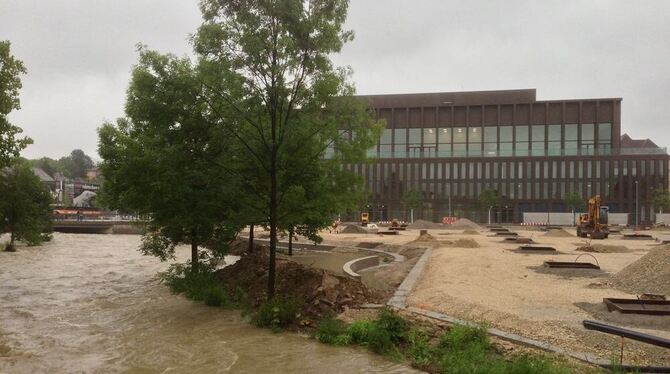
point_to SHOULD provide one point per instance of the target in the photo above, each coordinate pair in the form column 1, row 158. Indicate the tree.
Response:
column 412, row 199
column 488, row 198
column 660, row 198
column 573, row 201
column 269, row 64
column 11, row 143
column 50, row 166
column 25, row 207
column 159, row 161
column 76, row 164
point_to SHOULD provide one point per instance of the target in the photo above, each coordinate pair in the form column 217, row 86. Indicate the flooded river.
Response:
column 91, row 303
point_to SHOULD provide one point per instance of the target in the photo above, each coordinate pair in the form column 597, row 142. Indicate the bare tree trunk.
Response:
column 251, row 238
column 290, row 242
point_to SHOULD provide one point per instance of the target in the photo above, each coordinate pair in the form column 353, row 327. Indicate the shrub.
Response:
column 216, row 296
column 332, row 331
column 379, row 340
column 392, row 323
column 276, row 312
column 462, row 337
column 419, row 349
column 359, row 331
column 200, row 285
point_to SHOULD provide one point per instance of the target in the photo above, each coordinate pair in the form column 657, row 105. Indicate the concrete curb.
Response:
column 399, row 298
column 399, row 301
column 350, row 268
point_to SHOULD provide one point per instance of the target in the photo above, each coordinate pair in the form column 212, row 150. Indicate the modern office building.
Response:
column 451, row 146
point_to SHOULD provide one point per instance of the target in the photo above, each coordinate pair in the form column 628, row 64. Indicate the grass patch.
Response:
column 463, row 349
column 276, row 313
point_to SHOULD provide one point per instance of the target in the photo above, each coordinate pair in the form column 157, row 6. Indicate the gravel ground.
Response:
column 502, row 288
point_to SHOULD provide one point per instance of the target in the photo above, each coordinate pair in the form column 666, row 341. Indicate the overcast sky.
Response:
column 79, row 54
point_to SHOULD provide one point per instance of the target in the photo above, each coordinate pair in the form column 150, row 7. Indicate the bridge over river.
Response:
column 97, row 226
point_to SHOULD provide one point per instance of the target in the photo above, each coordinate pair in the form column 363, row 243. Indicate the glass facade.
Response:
column 531, row 157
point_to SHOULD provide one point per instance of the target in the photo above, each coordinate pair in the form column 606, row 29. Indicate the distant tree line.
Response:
column 72, row 166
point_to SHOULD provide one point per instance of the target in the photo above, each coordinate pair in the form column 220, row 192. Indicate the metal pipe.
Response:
column 630, row 334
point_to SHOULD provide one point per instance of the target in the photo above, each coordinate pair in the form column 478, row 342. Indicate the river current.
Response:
column 92, row 304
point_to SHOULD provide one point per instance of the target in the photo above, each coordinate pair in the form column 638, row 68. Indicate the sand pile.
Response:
column 423, row 225
column 603, row 248
column 465, row 243
column 354, row 229
column 649, row 274
column 464, row 223
column 425, row 238
column 558, row 234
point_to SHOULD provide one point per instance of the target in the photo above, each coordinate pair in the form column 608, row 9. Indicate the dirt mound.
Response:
column 603, row 248
column 558, row 234
column 470, row 232
column 423, row 225
column 354, row 229
column 465, row 243
column 649, row 274
column 321, row 293
column 463, row 223
column 425, row 237
column 239, row 246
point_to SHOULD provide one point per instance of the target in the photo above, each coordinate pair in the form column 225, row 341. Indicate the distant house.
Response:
column 45, row 178
column 92, row 174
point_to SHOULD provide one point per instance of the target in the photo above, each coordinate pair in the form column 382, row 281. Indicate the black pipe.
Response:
column 630, row 334
column 637, row 369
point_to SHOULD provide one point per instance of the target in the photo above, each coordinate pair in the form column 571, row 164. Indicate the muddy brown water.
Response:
column 92, row 304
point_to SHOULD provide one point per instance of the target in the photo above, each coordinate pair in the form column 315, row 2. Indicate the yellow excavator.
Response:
column 365, row 218
column 594, row 222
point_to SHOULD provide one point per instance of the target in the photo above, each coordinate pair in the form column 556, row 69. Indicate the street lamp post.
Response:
column 637, row 205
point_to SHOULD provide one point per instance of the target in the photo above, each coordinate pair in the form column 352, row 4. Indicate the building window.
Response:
column 429, row 137
column 554, row 140
column 460, row 141
column 521, row 140
column 490, row 140
column 400, row 141
column 604, row 138
column 537, row 147
column 570, row 140
column 474, row 140
column 386, row 144
column 588, row 139
column 444, row 142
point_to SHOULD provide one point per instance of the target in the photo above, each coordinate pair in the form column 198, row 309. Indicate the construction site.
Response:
column 537, row 286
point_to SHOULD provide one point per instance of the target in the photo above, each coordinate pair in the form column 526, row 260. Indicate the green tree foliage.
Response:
column 574, row 201
column 268, row 75
column 163, row 160
column 412, row 199
column 488, row 198
column 49, row 165
column 76, row 164
column 25, row 206
column 660, row 198
column 11, row 143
